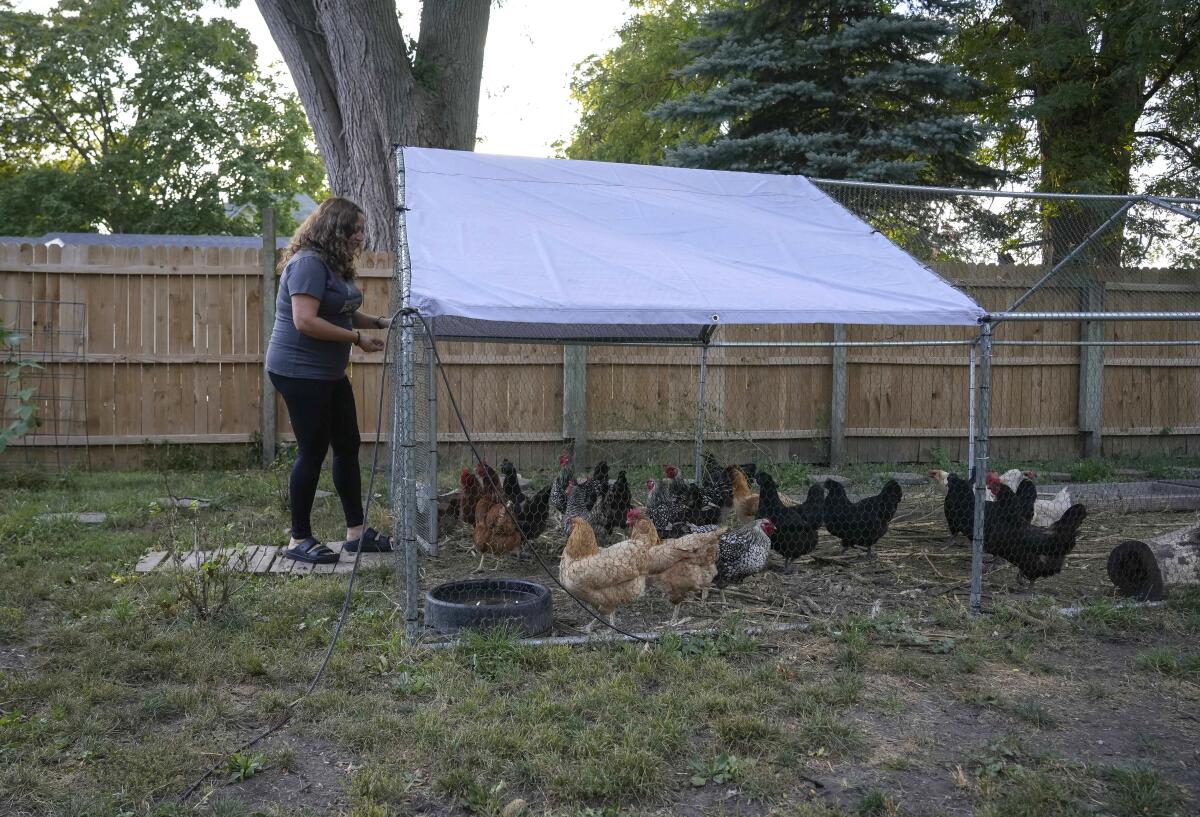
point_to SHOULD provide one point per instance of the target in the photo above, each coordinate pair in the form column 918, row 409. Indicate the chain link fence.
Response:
column 897, row 466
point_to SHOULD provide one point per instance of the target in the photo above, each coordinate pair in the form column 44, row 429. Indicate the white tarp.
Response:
column 505, row 246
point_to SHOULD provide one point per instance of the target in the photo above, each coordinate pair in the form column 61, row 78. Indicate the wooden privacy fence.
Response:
column 174, row 350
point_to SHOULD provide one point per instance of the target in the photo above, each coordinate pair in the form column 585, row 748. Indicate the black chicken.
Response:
column 510, row 483
column 860, row 524
column 795, row 534
column 959, row 506
column 600, row 477
column 1040, row 552
column 615, row 504
column 532, row 515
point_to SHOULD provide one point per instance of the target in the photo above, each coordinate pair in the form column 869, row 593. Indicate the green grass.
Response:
column 126, row 691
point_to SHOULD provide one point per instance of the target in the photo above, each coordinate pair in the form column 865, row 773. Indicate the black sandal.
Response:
column 370, row 542
column 312, row 552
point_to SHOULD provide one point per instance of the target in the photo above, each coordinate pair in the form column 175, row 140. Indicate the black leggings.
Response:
column 322, row 413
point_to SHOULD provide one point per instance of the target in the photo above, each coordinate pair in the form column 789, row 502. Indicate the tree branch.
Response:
column 1192, row 152
column 1185, row 50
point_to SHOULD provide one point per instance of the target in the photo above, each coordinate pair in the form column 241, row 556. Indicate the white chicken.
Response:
column 1045, row 511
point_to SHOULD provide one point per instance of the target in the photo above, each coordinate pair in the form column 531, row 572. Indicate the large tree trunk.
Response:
column 1085, row 146
column 364, row 92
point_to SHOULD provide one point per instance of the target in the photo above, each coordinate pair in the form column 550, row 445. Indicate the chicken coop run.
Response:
column 763, row 336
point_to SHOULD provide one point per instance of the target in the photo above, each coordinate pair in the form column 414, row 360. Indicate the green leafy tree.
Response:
column 1096, row 96
column 844, row 90
column 616, row 90
column 142, row 116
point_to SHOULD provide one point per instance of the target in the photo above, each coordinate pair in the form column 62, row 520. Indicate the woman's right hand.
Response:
column 370, row 344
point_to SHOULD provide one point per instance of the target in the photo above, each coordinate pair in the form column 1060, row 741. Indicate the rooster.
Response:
column 860, row 524
column 490, row 480
column 796, row 527
column 495, row 531
column 743, row 553
column 615, row 504
column 558, row 488
column 681, row 565
column 605, row 578
column 471, row 492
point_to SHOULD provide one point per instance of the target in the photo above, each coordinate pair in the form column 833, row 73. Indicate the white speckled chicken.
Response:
column 743, row 553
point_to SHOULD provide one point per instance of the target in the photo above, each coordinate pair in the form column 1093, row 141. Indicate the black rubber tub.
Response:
column 480, row 603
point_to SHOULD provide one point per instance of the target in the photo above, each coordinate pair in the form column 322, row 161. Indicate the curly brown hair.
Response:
column 328, row 231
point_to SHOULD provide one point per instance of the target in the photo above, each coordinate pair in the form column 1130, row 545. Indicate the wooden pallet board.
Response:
column 263, row 559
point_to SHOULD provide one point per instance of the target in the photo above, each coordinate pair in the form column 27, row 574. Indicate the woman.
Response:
column 317, row 318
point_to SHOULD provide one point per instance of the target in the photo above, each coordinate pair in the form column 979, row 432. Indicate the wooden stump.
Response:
column 1150, row 570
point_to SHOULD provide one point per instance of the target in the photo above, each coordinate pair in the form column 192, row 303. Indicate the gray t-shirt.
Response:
column 294, row 354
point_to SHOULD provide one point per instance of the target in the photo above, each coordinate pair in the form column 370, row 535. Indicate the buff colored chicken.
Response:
column 496, row 530
column 745, row 501
column 679, row 565
column 604, row 578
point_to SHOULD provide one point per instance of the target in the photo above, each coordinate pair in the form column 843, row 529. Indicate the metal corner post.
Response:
column 432, row 474
column 698, row 457
column 980, row 464
column 404, row 484
column 971, row 406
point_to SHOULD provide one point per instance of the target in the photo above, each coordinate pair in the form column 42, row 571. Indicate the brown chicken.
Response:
column 679, row 565
column 603, row 578
column 496, row 531
column 745, row 501
column 471, row 491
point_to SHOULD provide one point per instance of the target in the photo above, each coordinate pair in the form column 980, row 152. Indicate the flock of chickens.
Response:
column 676, row 540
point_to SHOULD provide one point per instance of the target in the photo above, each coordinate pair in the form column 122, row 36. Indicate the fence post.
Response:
column 837, row 407
column 575, row 401
column 268, row 323
column 1091, row 371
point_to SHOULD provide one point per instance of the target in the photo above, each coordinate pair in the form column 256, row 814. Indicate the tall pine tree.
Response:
column 847, row 89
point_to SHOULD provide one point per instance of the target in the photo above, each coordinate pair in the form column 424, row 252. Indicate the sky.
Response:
column 532, row 49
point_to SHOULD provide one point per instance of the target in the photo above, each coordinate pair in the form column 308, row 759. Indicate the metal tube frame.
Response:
column 980, row 464
column 402, row 416
column 1094, row 316
column 1003, row 194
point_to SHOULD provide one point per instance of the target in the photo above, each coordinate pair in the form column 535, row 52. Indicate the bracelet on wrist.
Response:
column 357, row 337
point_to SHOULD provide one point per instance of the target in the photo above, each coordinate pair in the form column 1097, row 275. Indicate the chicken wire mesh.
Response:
column 785, row 422
column 1095, row 352
column 44, row 362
